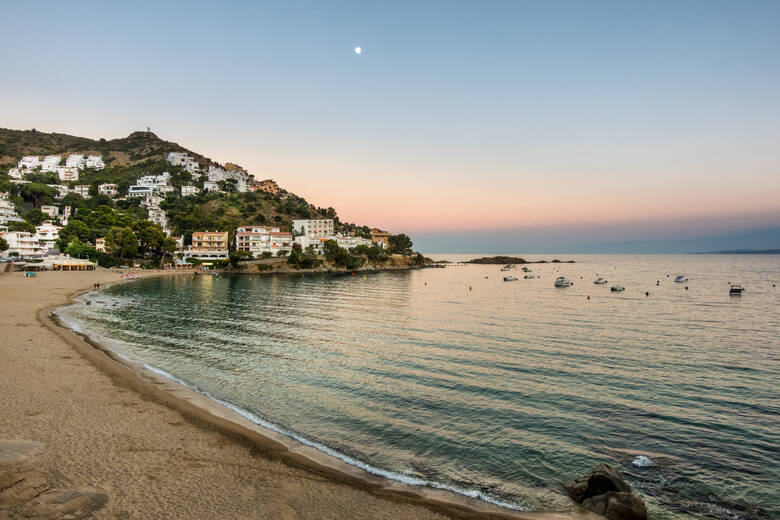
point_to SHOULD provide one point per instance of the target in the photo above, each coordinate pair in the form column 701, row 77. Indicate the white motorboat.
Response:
column 562, row 282
column 510, row 278
column 680, row 278
column 529, row 276
column 617, row 288
column 600, row 281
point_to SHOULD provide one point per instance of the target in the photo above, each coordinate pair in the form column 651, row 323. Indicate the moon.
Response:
column 358, row 50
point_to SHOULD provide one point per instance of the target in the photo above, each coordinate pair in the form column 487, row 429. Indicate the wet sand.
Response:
column 82, row 434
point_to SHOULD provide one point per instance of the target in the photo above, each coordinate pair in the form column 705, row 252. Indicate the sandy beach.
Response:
column 82, row 436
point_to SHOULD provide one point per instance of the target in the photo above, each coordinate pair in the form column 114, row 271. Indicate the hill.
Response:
column 127, row 159
column 137, row 148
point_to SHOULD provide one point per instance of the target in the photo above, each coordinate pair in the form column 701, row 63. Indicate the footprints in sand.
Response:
column 26, row 491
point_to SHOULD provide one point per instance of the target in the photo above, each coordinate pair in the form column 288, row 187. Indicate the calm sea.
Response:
column 501, row 390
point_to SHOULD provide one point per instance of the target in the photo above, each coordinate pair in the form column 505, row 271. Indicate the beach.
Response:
column 93, row 436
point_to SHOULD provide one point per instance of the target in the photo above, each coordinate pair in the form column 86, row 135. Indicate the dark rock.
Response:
column 604, row 491
column 617, row 505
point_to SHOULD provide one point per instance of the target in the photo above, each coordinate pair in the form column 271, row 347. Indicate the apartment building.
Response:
column 208, row 245
column 322, row 228
column 112, row 190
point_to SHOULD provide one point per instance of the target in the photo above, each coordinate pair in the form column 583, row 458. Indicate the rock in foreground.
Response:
column 604, row 491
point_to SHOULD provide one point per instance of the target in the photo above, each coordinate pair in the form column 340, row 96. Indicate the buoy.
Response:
column 469, row 287
column 589, row 297
column 647, row 293
column 426, row 283
column 686, row 287
column 658, row 282
column 364, row 276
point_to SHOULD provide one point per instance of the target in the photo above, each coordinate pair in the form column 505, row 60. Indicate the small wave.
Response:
column 390, row 475
column 642, row 462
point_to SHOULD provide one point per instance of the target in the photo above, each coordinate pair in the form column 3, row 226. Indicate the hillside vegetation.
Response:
column 136, row 148
column 127, row 159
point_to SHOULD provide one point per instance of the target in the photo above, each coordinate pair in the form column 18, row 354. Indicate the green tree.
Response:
column 239, row 256
column 21, row 226
column 167, row 248
column 36, row 193
column 400, row 244
column 74, row 200
column 122, row 242
column 150, row 237
column 3, row 244
column 35, row 217
column 75, row 230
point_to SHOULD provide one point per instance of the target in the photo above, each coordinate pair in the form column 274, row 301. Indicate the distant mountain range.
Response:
column 729, row 243
column 741, row 252
column 750, row 241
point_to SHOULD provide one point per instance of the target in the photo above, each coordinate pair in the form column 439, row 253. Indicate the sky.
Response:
column 539, row 123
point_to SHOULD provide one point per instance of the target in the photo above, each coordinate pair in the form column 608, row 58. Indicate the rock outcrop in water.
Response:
column 604, row 491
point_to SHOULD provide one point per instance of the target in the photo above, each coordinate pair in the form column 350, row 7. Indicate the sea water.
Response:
column 499, row 390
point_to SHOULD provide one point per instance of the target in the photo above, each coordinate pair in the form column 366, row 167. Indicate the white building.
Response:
column 189, row 190
column 350, row 242
column 185, row 161
column 62, row 190
column 210, row 186
column 322, row 228
column 154, row 180
column 52, row 211
column 315, row 243
column 15, row 173
column 68, row 173
column 159, row 217
column 165, row 189
column 50, row 163
column 47, row 235
column 216, row 174
column 112, row 190
column 140, row 191
column 29, row 162
column 260, row 239
column 82, row 189
column 22, row 243
column 75, row 161
column 152, row 201
column 7, row 211
column 95, row 162
column 65, row 215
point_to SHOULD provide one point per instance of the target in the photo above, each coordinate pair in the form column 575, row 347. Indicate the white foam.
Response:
column 398, row 477
column 642, row 462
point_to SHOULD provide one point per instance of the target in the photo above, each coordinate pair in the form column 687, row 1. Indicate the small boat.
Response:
column 735, row 289
column 506, row 268
column 617, row 288
column 562, row 282
column 526, row 270
column 510, row 278
column 600, row 281
column 680, row 278
column 529, row 276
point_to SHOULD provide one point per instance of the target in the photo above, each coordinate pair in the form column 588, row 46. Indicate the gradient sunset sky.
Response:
column 603, row 120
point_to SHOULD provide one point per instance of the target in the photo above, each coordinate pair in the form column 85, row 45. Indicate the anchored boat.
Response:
column 735, row 289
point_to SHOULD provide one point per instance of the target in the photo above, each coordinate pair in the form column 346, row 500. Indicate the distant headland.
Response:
column 513, row 260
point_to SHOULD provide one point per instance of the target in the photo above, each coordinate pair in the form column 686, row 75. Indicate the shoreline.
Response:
column 272, row 445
